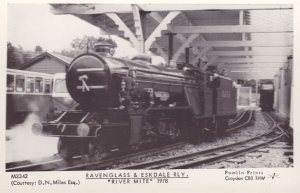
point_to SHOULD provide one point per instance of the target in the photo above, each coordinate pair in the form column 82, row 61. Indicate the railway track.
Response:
column 48, row 164
column 242, row 121
column 81, row 163
column 284, row 124
column 238, row 118
column 215, row 154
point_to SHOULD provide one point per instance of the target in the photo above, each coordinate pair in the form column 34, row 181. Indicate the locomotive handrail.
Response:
column 160, row 73
column 170, row 84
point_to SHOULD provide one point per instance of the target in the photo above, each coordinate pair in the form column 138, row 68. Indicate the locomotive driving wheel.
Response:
column 215, row 127
column 219, row 127
column 174, row 130
column 65, row 148
column 97, row 149
column 169, row 127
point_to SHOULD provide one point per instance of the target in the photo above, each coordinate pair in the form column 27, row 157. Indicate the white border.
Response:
column 203, row 180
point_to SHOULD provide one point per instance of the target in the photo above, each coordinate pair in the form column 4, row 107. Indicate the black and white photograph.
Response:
column 161, row 91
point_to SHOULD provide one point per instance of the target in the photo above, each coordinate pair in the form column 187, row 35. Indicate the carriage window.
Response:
column 30, row 84
column 10, row 83
column 20, row 83
column 38, row 84
column 47, row 86
column 60, row 86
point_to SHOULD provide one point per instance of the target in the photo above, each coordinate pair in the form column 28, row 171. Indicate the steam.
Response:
column 22, row 144
column 33, row 106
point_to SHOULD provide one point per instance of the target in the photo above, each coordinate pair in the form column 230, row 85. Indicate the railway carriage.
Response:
column 61, row 98
column 27, row 92
column 130, row 103
column 267, row 96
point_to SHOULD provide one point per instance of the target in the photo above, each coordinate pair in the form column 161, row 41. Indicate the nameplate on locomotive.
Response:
column 162, row 95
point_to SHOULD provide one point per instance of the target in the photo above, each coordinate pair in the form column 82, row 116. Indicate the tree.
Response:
column 83, row 43
column 38, row 49
column 11, row 59
column 87, row 42
column 15, row 56
column 72, row 53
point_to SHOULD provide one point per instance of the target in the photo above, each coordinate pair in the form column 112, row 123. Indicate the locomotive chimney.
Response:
column 103, row 49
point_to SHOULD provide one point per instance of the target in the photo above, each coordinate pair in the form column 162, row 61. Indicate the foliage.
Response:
column 16, row 56
column 81, row 45
column 72, row 53
column 38, row 49
column 89, row 41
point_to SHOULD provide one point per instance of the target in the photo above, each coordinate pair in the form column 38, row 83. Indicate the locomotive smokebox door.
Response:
column 88, row 80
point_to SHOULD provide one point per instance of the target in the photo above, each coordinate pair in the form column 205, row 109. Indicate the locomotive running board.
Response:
column 70, row 115
column 169, row 108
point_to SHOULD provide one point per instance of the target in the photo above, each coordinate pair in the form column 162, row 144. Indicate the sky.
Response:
column 30, row 25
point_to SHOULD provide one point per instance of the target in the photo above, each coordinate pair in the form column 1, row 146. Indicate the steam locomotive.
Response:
column 127, row 104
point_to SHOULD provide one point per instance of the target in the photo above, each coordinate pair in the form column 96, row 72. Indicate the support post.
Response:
column 140, row 27
column 187, row 55
column 171, row 36
column 256, row 92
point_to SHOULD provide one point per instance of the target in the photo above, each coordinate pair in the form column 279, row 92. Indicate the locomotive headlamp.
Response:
column 83, row 130
column 68, row 100
column 37, row 128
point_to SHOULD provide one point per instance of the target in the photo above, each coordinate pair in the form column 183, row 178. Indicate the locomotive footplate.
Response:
column 73, row 130
column 66, row 130
column 65, row 126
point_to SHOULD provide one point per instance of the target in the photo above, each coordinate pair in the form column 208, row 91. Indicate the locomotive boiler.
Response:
column 125, row 104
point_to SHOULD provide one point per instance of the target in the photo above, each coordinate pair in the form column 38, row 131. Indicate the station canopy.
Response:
column 246, row 41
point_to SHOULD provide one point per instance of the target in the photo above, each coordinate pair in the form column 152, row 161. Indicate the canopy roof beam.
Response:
column 247, row 60
column 255, row 64
column 123, row 27
column 242, row 44
column 195, row 50
column 200, row 55
column 160, row 51
column 126, row 8
column 250, row 53
column 163, row 25
column 185, row 44
column 232, row 29
column 182, row 39
column 139, row 18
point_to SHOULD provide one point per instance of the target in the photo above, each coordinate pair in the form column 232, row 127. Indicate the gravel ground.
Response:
column 278, row 155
